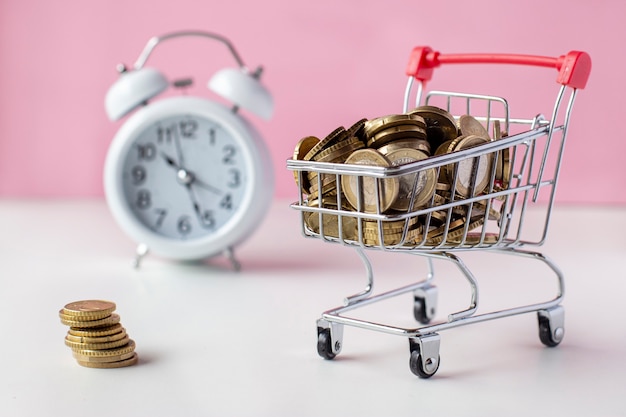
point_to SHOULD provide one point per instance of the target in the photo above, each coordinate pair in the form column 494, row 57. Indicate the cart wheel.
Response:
column 425, row 304
column 546, row 335
column 324, row 344
column 417, row 367
column 420, row 310
column 424, row 360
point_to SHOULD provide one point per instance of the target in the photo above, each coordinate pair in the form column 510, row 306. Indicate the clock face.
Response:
column 188, row 178
column 184, row 176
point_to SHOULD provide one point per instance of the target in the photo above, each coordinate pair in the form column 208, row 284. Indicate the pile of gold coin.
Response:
column 395, row 140
column 96, row 337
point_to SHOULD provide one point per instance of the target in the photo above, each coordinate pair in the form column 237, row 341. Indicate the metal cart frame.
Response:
column 531, row 159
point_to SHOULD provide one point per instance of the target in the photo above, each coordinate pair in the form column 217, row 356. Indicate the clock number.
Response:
column 165, row 134
column 146, row 152
column 138, row 174
column 227, row 202
column 184, row 225
column 208, row 221
column 161, row 213
column 143, row 199
column 188, row 128
column 235, row 178
column 212, row 136
column 229, row 154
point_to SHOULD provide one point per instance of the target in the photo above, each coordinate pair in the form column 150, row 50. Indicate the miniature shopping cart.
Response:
column 488, row 190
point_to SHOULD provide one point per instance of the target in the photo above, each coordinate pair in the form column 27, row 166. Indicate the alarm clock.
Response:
column 187, row 177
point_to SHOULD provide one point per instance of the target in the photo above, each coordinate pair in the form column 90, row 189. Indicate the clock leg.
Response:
column 230, row 254
column 141, row 251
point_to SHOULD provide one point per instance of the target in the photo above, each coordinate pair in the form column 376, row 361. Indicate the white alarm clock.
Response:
column 187, row 177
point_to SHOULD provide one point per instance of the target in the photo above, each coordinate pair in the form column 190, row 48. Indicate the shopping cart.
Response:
column 488, row 190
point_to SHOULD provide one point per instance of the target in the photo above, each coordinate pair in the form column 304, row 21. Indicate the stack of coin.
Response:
column 395, row 140
column 96, row 337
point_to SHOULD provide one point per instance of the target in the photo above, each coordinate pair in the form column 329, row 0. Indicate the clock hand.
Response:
column 196, row 207
column 187, row 177
column 179, row 150
column 197, row 181
column 169, row 160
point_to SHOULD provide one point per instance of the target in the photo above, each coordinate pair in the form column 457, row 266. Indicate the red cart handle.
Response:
column 573, row 68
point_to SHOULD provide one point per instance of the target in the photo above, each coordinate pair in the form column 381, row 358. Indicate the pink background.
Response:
column 327, row 63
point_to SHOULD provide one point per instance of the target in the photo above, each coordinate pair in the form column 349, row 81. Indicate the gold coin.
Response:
column 102, row 359
column 302, row 148
column 454, row 224
column 129, row 347
column 394, row 238
column 379, row 124
column 357, row 129
column 440, row 124
column 96, row 332
column 502, row 180
column 394, row 232
column 468, row 125
column 396, row 133
column 506, row 168
column 503, row 170
column 475, row 239
column 497, row 131
column 478, row 210
column 112, row 319
column 391, row 226
column 98, row 339
column 442, row 186
column 455, row 232
column 387, row 187
column 340, row 151
column 96, row 346
column 330, row 222
column 443, row 148
column 89, row 309
column 328, row 190
column 439, row 217
column 418, row 186
column 331, row 191
column 109, row 365
column 332, row 138
column 413, row 143
column 465, row 167
column 439, row 199
column 325, row 180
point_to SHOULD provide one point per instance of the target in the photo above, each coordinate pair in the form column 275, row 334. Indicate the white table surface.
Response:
column 213, row 342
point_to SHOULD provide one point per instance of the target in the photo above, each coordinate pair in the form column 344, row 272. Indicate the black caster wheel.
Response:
column 547, row 335
column 425, row 303
column 417, row 367
column 420, row 311
column 324, row 344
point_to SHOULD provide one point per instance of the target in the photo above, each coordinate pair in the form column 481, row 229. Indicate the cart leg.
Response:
column 551, row 325
column 424, row 360
column 329, row 338
column 369, row 288
column 425, row 298
column 471, row 281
